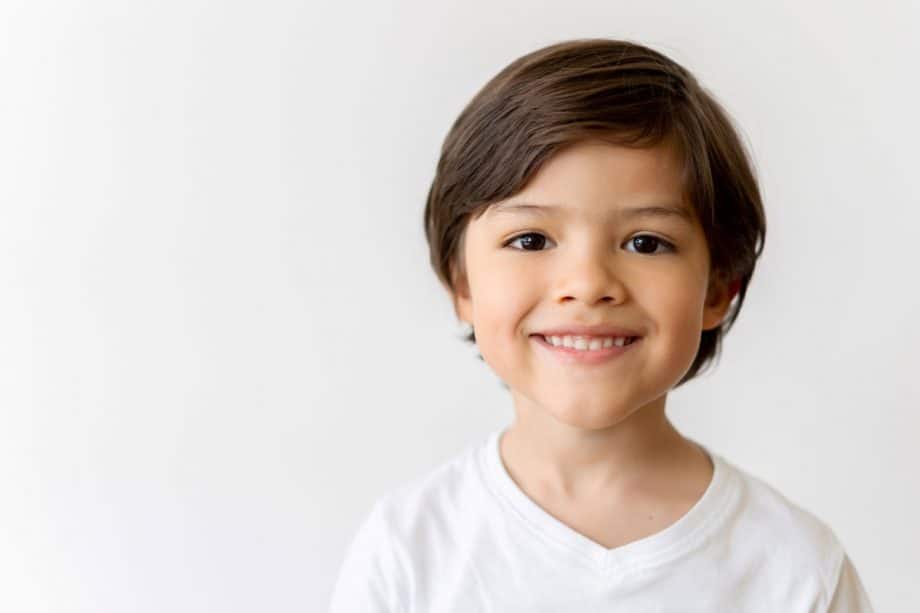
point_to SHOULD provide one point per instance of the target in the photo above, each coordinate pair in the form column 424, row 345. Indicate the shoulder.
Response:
column 794, row 541
column 783, row 519
column 443, row 494
column 410, row 524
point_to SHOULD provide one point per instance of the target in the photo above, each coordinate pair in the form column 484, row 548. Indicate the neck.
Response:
column 573, row 462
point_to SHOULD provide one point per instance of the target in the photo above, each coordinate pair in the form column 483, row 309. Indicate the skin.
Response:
column 592, row 445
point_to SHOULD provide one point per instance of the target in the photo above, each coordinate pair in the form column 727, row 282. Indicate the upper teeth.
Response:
column 587, row 343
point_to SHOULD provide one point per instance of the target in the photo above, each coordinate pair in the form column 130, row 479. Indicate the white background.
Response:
column 220, row 340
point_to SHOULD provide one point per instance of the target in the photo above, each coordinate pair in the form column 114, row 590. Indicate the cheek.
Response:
column 499, row 320
column 502, row 298
column 677, row 305
column 501, row 307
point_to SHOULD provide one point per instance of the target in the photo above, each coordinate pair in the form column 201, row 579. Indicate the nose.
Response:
column 589, row 274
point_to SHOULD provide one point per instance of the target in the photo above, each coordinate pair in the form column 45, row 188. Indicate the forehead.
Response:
column 604, row 182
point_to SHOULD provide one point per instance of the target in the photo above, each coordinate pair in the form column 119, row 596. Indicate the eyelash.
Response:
column 668, row 246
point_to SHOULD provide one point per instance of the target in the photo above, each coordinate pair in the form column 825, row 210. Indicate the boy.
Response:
column 596, row 222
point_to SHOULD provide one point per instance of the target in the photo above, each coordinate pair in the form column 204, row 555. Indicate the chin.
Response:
column 587, row 417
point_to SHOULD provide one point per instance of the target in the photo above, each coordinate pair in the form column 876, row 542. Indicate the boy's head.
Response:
column 596, row 127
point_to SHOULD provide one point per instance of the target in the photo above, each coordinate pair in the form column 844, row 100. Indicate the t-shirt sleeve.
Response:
column 849, row 595
column 368, row 578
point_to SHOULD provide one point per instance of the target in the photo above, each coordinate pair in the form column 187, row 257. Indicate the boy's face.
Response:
column 595, row 259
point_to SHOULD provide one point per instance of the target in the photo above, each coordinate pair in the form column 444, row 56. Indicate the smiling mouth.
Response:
column 588, row 343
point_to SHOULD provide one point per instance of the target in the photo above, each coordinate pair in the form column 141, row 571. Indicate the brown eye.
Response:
column 532, row 241
column 649, row 244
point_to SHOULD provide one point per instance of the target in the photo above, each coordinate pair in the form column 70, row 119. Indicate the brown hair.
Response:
column 625, row 93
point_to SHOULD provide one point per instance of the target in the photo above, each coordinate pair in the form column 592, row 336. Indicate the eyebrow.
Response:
column 657, row 210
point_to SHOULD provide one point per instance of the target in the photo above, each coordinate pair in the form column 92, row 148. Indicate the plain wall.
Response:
column 220, row 338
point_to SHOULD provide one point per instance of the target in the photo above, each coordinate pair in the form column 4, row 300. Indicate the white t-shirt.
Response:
column 466, row 539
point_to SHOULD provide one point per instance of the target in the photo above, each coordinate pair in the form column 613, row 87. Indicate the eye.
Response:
column 531, row 241
column 649, row 244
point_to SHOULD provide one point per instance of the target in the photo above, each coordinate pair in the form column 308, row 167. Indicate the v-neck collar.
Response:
column 683, row 535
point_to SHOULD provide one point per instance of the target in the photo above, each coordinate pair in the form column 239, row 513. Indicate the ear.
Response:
column 463, row 303
column 718, row 299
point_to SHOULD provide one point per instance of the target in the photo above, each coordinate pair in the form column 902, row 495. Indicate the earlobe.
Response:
column 463, row 307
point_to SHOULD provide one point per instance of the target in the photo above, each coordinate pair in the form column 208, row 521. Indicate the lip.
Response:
column 570, row 355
